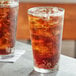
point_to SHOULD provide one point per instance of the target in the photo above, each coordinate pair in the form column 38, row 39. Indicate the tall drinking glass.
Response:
column 8, row 22
column 46, row 25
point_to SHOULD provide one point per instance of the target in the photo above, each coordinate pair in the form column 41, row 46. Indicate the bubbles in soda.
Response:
column 46, row 39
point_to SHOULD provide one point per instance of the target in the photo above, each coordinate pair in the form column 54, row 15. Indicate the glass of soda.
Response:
column 8, row 22
column 46, row 27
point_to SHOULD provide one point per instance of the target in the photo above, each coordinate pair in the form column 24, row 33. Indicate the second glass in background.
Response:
column 8, row 22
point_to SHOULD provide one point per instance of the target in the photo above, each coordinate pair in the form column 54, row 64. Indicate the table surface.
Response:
column 24, row 65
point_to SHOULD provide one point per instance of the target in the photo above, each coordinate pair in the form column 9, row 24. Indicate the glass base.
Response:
column 41, row 70
column 8, row 55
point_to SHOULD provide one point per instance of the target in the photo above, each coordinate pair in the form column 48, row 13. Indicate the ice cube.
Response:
column 55, row 9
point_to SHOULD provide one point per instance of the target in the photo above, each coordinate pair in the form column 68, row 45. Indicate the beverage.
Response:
column 46, row 34
column 8, row 21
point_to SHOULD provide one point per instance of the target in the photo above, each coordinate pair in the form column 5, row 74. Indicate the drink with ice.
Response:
column 46, row 24
column 8, row 21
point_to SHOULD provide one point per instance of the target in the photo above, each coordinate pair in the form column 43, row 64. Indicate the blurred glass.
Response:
column 8, row 22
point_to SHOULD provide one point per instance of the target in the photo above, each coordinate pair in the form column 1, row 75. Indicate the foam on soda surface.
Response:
column 9, row 4
column 46, row 11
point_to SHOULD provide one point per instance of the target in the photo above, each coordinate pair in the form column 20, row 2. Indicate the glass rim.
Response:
column 12, row 4
column 50, row 14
